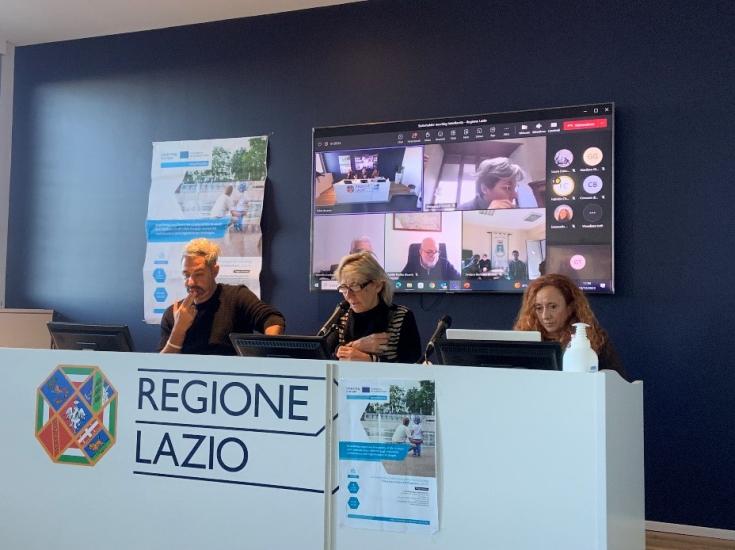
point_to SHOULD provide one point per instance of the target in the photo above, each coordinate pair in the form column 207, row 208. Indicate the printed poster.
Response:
column 387, row 455
column 209, row 188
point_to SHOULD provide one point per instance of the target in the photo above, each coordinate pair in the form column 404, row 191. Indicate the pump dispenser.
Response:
column 579, row 355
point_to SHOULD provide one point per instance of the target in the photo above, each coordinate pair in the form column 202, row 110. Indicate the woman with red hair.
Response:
column 551, row 304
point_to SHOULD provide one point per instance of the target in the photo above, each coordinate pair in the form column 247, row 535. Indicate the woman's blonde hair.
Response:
column 575, row 298
column 366, row 265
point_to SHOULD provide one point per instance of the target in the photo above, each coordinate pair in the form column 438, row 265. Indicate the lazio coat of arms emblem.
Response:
column 76, row 415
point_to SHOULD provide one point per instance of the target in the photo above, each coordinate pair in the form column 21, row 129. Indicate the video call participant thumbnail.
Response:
column 582, row 262
column 202, row 322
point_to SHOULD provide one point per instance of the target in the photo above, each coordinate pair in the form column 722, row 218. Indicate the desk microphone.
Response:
column 336, row 314
column 441, row 327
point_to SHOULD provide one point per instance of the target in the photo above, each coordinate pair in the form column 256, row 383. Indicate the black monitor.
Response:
column 290, row 346
column 77, row 336
column 501, row 354
column 557, row 213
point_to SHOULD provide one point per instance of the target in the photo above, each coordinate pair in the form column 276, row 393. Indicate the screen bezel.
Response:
column 265, row 345
column 89, row 337
column 522, row 354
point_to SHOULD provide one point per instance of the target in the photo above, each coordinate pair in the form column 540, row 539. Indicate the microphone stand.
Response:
column 331, row 323
column 441, row 328
column 427, row 353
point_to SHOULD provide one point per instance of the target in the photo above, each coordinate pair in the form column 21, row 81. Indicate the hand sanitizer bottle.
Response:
column 579, row 355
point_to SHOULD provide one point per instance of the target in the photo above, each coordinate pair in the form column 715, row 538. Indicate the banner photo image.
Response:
column 387, row 455
column 206, row 188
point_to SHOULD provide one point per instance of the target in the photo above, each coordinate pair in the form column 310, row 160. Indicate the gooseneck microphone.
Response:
column 441, row 327
column 332, row 321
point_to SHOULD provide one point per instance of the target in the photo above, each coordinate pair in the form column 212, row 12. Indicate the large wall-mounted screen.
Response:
column 481, row 203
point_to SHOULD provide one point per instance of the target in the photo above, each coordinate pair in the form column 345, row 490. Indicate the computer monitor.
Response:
column 289, row 346
column 504, row 335
column 501, row 354
column 77, row 336
column 554, row 213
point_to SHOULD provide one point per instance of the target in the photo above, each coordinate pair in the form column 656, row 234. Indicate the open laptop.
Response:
column 499, row 335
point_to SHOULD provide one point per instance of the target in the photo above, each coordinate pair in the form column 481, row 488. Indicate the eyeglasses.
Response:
column 429, row 252
column 354, row 287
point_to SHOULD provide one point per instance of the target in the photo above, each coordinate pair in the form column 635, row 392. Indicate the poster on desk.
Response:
column 387, row 455
column 210, row 188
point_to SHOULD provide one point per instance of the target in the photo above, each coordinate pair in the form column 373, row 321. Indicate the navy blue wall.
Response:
column 87, row 111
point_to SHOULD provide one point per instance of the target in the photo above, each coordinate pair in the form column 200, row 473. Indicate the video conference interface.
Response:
column 483, row 203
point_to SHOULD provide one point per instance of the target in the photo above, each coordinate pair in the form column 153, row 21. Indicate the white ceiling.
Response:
column 24, row 22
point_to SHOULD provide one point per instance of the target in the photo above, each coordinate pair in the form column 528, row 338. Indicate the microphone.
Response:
column 441, row 327
column 336, row 314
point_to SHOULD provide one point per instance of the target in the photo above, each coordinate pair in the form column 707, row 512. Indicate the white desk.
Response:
column 362, row 190
column 526, row 459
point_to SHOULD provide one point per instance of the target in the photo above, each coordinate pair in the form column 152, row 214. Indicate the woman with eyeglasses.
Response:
column 373, row 328
column 551, row 304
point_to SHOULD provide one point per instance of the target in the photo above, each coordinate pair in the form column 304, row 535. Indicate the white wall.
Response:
column 531, row 156
column 412, row 167
column 7, row 58
column 435, row 156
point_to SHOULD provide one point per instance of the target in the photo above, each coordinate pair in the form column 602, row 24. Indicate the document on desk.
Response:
column 387, row 455
column 210, row 188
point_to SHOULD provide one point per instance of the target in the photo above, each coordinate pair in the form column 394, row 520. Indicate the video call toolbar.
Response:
column 479, row 127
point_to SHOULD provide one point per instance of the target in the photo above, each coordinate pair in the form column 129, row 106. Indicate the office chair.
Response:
column 414, row 254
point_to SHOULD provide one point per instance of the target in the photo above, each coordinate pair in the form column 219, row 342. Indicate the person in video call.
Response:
column 373, row 328
column 551, row 304
column 484, row 264
column 517, row 269
column 358, row 244
column 202, row 322
column 361, row 244
column 473, row 266
column 495, row 185
column 564, row 214
column 429, row 265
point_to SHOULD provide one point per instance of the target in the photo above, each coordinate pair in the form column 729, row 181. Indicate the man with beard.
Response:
column 202, row 322
column 429, row 265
